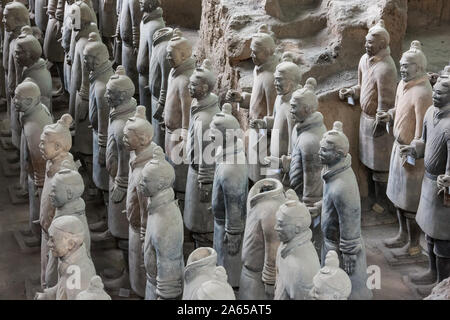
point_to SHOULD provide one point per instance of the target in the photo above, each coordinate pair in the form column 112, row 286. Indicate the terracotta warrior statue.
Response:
column 177, row 108
column 158, row 80
column 297, row 259
column 40, row 14
column 229, row 193
column 96, row 59
column 203, row 279
column 55, row 143
column 66, row 235
column 197, row 207
column 405, row 175
column 15, row 16
column 287, row 80
column 341, row 210
column 129, row 20
column 260, row 245
column 262, row 98
column 95, row 291
column 119, row 95
column 331, row 282
column 137, row 138
column 377, row 80
column 28, row 52
column 434, row 206
column 163, row 246
column 34, row 117
column 152, row 20
column 107, row 19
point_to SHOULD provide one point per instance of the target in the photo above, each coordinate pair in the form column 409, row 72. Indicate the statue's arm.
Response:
column 123, row 158
column 271, row 95
column 185, row 105
column 271, row 244
column 348, row 207
column 165, row 71
column 235, row 199
column 102, row 117
column 136, row 16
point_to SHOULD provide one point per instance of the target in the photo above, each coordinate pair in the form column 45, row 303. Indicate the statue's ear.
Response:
column 205, row 87
column 69, row 194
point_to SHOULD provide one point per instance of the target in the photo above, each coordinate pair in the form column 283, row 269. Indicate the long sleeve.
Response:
column 51, row 8
column 206, row 167
column 447, row 168
column 123, row 159
column 102, row 117
column 420, row 107
column 165, row 71
column 271, row 95
column 235, row 197
column 271, row 244
column 136, row 17
column 357, row 88
column 185, row 100
column 386, row 84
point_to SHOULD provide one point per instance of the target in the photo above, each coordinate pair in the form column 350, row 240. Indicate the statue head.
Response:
column 27, row 96
column 214, row 290
column 138, row 132
column 202, row 81
column 304, row 101
column 65, row 235
column 28, row 49
column 157, row 175
column 377, row 39
column 95, row 52
column 179, row 49
column 15, row 15
column 56, row 138
column 287, row 75
column 331, row 282
column 334, row 145
column 262, row 46
column 413, row 63
column 224, row 126
column 81, row 15
column 149, row 5
column 67, row 185
column 293, row 218
column 119, row 89
column 441, row 93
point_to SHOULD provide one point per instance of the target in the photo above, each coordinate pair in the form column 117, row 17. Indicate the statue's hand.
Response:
column 346, row 92
column 349, row 261
column 269, row 290
column 159, row 112
column 233, row 96
column 406, row 150
column 258, row 124
column 383, row 116
column 443, row 181
column 118, row 193
column 233, row 242
column 39, row 296
column 102, row 156
column 205, row 191
column 272, row 162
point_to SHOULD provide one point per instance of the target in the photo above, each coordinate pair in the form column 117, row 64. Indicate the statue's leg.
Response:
column 442, row 252
column 151, row 271
column 380, row 180
column 402, row 236
column 412, row 246
column 430, row 275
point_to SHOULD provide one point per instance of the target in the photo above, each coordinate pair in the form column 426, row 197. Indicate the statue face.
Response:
column 408, row 70
column 319, row 293
column 197, row 88
column 327, row 153
column 258, row 54
column 21, row 103
column 113, row 97
column 147, row 5
column 373, row 45
column 283, row 84
column 48, row 147
column 22, row 56
column 59, row 243
column 441, row 94
column 8, row 21
column 286, row 231
column 299, row 112
column 130, row 139
column 175, row 56
column 59, row 195
column 89, row 62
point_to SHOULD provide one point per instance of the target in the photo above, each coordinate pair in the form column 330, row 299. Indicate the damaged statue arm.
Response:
column 271, row 244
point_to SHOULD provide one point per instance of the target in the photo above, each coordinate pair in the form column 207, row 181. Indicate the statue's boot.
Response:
column 99, row 226
column 402, row 237
column 443, row 268
column 428, row 276
column 101, row 236
column 381, row 197
column 123, row 280
column 412, row 248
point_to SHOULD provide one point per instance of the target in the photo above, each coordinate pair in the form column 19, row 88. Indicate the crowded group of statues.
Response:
column 274, row 212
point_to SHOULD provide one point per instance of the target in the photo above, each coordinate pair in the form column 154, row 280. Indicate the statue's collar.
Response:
column 440, row 113
column 202, row 266
column 40, row 64
column 300, row 239
column 410, row 84
column 380, row 55
column 163, row 197
column 155, row 14
column 56, row 164
column 256, row 195
column 269, row 65
column 314, row 120
column 142, row 157
column 124, row 108
column 76, row 206
column 209, row 101
column 188, row 64
column 222, row 153
column 73, row 259
column 341, row 166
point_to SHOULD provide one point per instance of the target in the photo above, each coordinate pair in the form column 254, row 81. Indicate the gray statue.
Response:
column 137, row 138
column 377, row 80
column 229, row 193
column 94, row 291
column 163, row 246
column 341, row 210
column 107, row 22
column 151, row 21
column 260, row 244
column 197, row 207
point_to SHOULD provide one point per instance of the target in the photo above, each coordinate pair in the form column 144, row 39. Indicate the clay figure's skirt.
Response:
column 100, row 175
column 117, row 220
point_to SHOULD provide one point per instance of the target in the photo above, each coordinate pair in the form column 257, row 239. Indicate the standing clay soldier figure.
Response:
column 229, row 193
column 158, row 80
column 259, row 249
column 151, row 21
column 163, row 246
column 197, row 207
column 331, row 282
column 203, row 279
column 262, row 99
column 107, row 18
column 66, row 236
column 377, row 80
column 66, row 191
column 53, row 49
column 40, row 14
column 95, row 291
column 96, row 59
column 178, row 106
column 122, row 105
column 129, row 19
column 137, row 138
column 28, row 54
column 34, row 117
column 287, row 80
column 434, row 207
column 297, row 259
column 55, row 144
column 341, row 210
column 405, row 176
